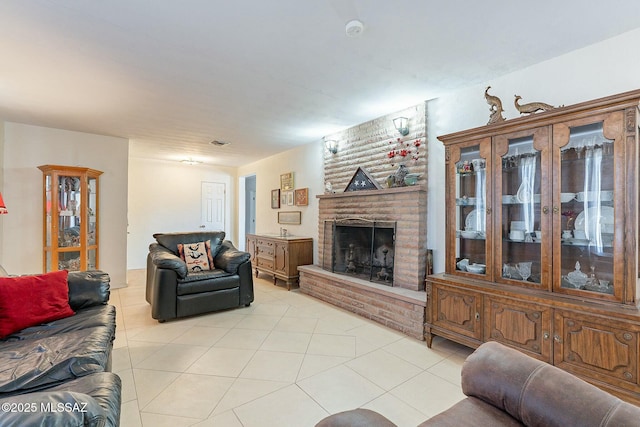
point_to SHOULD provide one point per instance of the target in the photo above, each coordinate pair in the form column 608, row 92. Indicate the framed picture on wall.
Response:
column 302, row 197
column 293, row 218
column 275, row 199
column 288, row 198
column 286, row 181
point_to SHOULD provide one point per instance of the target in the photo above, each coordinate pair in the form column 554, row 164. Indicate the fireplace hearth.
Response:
column 361, row 248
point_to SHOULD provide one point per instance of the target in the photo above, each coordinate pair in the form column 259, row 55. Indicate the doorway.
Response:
column 246, row 208
column 213, row 206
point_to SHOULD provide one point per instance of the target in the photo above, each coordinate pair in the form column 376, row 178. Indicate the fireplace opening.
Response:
column 361, row 248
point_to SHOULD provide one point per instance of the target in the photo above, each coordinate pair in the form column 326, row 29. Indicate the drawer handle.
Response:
column 557, row 339
column 545, row 335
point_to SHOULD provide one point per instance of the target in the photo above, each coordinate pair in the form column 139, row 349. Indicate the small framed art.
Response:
column 275, row 199
column 302, row 197
column 293, row 217
column 286, row 198
column 286, row 181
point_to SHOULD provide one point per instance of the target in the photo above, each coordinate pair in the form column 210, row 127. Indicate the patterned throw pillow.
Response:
column 197, row 256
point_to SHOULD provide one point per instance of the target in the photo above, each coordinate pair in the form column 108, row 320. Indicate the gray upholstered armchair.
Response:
column 177, row 288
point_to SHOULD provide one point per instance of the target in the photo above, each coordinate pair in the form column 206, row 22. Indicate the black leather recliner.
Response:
column 174, row 292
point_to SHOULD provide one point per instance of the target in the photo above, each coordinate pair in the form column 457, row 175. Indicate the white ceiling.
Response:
column 266, row 75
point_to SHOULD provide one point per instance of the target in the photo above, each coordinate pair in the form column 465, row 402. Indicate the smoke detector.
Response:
column 354, row 28
column 219, row 143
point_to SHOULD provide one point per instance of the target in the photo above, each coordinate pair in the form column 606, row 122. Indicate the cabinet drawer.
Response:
column 522, row 325
column 265, row 263
column 598, row 348
column 265, row 250
column 458, row 311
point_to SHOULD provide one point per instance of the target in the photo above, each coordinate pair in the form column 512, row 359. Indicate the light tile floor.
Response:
column 287, row 360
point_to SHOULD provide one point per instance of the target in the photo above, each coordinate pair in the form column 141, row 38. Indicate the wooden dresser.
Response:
column 279, row 256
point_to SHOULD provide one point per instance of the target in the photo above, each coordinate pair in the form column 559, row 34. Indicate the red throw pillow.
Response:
column 31, row 300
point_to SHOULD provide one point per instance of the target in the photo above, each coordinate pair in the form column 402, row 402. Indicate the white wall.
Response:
column 165, row 196
column 26, row 148
column 599, row 70
column 306, row 163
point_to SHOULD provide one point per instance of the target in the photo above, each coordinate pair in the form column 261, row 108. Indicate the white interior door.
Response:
column 213, row 206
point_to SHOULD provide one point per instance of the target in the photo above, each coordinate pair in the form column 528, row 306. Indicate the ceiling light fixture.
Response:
column 402, row 125
column 219, row 143
column 190, row 161
column 354, row 28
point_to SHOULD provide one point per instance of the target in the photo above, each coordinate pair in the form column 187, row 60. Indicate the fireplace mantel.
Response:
column 364, row 193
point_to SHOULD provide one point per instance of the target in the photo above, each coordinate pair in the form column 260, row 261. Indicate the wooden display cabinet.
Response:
column 70, row 219
column 279, row 256
column 542, row 240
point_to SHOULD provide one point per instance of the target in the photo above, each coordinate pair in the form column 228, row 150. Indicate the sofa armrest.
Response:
column 52, row 408
column 88, row 288
column 539, row 394
column 164, row 258
column 229, row 258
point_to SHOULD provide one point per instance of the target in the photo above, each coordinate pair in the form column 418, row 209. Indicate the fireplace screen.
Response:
column 360, row 248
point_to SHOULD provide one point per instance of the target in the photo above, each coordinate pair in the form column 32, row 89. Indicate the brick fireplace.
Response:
column 368, row 146
column 406, row 207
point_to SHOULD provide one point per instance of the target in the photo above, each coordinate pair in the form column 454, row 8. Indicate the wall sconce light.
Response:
column 332, row 145
column 3, row 207
column 402, row 125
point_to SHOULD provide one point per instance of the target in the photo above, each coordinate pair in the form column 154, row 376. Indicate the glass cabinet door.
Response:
column 587, row 213
column 69, row 223
column 470, row 210
column 521, row 252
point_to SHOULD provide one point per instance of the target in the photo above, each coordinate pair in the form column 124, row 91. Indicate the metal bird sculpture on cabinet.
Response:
column 495, row 106
column 531, row 107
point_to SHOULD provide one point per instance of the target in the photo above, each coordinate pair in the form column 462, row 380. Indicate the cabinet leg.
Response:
column 275, row 280
column 428, row 337
column 256, row 273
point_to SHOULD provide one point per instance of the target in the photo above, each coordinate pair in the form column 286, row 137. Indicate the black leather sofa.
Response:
column 174, row 291
column 58, row 373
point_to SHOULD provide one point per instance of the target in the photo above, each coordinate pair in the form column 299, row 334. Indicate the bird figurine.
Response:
column 398, row 177
column 495, row 106
column 531, row 107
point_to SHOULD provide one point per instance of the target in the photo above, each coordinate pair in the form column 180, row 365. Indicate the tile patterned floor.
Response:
column 287, row 360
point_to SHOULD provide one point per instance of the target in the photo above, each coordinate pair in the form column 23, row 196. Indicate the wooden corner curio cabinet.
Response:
column 542, row 240
column 70, row 221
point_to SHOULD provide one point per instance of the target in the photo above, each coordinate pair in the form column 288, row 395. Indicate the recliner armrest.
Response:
column 229, row 258
column 164, row 258
column 538, row 394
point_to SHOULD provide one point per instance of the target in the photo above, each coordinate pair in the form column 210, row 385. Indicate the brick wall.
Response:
column 368, row 144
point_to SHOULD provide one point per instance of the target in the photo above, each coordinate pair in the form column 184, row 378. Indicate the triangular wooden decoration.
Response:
column 362, row 181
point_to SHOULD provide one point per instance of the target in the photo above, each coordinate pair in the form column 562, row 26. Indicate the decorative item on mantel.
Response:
column 362, row 181
column 404, row 150
column 495, row 106
column 531, row 107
